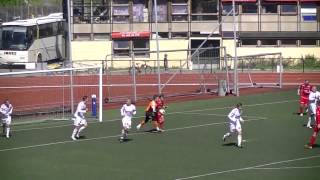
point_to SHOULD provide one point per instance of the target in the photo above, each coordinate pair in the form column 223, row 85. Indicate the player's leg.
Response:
column 232, row 129
column 76, row 124
column 8, row 123
column 143, row 122
column 239, row 132
column 3, row 127
column 126, row 126
column 312, row 111
column 313, row 138
column 83, row 125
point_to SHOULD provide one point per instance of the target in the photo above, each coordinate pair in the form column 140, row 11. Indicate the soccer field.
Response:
column 190, row 148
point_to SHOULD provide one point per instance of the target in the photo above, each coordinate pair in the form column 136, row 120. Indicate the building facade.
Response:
column 104, row 27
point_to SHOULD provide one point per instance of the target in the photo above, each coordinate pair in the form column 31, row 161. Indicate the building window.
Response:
column 309, row 12
column 122, row 48
column 227, row 9
column 141, row 47
column 203, row 10
column 101, row 36
column 269, row 8
column 288, row 42
column 140, row 11
column 101, row 11
column 268, row 42
column 308, row 42
column 248, row 42
column 120, row 11
column 249, row 8
column 288, row 9
column 162, row 11
column 179, row 10
column 81, row 36
column 81, row 11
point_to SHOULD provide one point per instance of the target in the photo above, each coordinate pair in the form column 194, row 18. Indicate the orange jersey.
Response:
column 151, row 106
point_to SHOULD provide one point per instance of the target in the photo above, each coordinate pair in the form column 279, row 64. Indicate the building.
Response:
column 104, row 27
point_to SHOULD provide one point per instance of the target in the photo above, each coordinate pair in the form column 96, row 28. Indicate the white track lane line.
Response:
column 114, row 136
column 248, row 168
column 196, row 110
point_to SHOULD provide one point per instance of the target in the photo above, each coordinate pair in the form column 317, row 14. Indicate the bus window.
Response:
column 14, row 38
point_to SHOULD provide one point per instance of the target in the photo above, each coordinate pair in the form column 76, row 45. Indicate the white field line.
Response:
column 222, row 115
column 196, row 110
column 114, row 136
column 248, row 168
column 288, row 167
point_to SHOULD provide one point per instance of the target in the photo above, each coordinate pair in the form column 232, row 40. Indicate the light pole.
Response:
column 235, row 62
column 157, row 44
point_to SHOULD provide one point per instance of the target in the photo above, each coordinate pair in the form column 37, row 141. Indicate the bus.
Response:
column 34, row 40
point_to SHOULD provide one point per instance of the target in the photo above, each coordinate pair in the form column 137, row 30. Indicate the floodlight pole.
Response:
column 235, row 81
column 69, row 55
column 157, row 44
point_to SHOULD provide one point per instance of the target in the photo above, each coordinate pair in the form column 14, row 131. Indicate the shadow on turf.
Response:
column 126, row 140
column 152, row 131
column 229, row 144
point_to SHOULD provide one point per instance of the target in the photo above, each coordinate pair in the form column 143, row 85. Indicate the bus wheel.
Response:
column 39, row 58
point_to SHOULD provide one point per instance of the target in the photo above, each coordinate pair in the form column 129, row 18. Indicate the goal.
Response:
column 259, row 70
column 52, row 94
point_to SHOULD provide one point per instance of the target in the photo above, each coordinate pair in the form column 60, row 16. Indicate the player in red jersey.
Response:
column 304, row 91
column 160, row 111
column 316, row 128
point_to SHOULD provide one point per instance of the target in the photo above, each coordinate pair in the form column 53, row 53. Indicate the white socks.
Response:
column 226, row 135
column 75, row 130
column 8, row 132
column 309, row 121
column 81, row 129
column 239, row 140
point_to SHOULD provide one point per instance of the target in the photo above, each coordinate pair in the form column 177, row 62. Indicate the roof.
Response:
column 54, row 17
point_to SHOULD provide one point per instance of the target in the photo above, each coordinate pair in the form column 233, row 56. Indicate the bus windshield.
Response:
column 14, row 38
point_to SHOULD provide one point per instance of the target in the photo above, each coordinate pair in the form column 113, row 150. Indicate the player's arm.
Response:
column 122, row 112
column 134, row 111
column 299, row 89
column 10, row 111
column 231, row 115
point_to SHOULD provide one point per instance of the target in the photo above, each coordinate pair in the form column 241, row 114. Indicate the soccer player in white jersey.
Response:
column 6, row 111
column 80, row 123
column 313, row 98
column 235, row 121
column 127, row 111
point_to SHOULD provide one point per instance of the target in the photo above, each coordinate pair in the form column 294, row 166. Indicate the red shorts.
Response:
column 304, row 100
column 160, row 118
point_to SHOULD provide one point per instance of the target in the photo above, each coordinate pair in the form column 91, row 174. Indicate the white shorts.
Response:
column 126, row 122
column 7, row 120
column 235, row 126
column 79, row 121
column 312, row 108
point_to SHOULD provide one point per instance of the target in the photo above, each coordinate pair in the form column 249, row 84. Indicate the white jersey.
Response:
column 234, row 120
column 81, row 109
column 314, row 97
column 128, row 111
column 6, row 111
column 234, row 115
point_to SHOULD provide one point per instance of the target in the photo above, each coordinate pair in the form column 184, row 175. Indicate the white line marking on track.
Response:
column 248, row 168
column 288, row 167
column 196, row 110
column 114, row 136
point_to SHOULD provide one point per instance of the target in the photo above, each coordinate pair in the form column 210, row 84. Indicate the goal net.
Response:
column 52, row 94
column 259, row 70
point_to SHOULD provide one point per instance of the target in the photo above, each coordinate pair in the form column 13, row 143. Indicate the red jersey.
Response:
column 305, row 90
column 159, row 103
column 318, row 115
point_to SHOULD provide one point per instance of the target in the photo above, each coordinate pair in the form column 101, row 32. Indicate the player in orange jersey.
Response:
column 150, row 113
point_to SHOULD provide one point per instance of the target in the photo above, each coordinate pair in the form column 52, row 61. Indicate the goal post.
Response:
column 52, row 94
column 260, row 70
